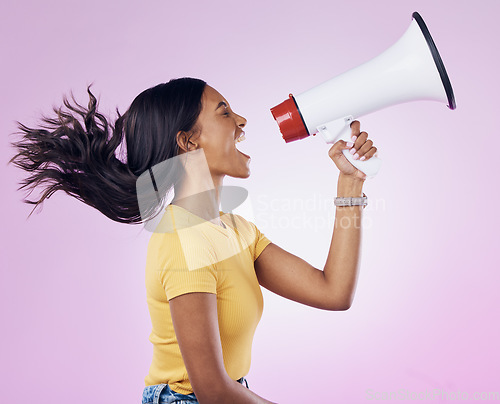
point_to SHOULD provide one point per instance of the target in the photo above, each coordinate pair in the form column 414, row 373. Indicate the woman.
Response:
column 204, row 267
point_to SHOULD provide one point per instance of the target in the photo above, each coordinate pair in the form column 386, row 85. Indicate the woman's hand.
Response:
column 362, row 147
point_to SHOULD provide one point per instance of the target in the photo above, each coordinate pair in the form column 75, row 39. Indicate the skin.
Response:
column 217, row 128
column 194, row 315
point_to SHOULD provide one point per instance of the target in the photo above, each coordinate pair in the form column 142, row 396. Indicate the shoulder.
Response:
column 240, row 223
column 186, row 248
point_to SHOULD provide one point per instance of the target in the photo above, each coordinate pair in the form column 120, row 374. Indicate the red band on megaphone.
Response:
column 289, row 120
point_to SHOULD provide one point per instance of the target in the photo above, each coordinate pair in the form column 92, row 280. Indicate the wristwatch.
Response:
column 351, row 201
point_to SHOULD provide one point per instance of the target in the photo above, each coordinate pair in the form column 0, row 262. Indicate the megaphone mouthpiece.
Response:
column 290, row 120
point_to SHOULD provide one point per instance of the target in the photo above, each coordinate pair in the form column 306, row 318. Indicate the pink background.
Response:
column 74, row 317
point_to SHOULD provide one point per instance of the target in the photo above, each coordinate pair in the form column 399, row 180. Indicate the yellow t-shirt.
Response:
column 189, row 254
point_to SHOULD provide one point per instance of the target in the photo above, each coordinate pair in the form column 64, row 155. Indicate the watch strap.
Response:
column 351, row 201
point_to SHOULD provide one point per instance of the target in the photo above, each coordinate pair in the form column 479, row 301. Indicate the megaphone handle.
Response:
column 340, row 129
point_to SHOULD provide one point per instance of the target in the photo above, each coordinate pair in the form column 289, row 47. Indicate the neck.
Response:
column 203, row 202
column 199, row 192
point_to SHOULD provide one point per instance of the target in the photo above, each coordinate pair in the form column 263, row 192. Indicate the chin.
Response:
column 244, row 173
column 241, row 175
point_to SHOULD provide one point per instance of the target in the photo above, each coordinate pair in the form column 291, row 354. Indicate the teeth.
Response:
column 240, row 139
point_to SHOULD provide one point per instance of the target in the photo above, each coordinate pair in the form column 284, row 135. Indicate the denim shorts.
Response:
column 163, row 394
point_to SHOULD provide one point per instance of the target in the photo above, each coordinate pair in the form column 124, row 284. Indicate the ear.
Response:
column 184, row 142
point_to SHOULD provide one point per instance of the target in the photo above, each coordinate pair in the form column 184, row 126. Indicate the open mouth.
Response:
column 240, row 138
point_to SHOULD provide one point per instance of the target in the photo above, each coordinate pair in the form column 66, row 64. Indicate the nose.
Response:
column 241, row 121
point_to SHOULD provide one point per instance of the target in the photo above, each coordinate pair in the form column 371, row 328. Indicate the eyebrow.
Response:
column 222, row 103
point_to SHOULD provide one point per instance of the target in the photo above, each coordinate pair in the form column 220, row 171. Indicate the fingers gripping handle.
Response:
column 340, row 129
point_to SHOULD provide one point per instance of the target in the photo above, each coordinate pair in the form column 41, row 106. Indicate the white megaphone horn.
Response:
column 409, row 70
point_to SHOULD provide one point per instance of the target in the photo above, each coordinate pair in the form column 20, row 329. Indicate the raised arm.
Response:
column 194, row 316
column 333, row 287
column 342, row 264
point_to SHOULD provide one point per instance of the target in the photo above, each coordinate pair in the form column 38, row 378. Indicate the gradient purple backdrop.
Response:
column 73, row 312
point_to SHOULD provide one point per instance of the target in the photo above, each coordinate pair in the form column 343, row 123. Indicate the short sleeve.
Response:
column 261, row 242
column 187, row 267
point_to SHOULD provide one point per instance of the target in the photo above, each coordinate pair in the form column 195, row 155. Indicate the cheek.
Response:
column 226, row 150
column 219, row 144
column 224, row 143
column 219, row 149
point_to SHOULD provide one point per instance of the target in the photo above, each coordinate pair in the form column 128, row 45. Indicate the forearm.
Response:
column 341, row 268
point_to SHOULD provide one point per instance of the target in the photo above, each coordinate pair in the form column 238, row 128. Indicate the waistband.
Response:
column 153, row 394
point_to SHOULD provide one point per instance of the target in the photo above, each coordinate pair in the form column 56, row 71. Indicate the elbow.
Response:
column 344, row 307
column 213, row 393
column 341, row 305
column 209, row 398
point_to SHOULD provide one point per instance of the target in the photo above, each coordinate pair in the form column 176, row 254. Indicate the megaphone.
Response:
column 409, row 70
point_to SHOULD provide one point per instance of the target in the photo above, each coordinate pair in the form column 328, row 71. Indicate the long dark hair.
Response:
column 80, row 160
